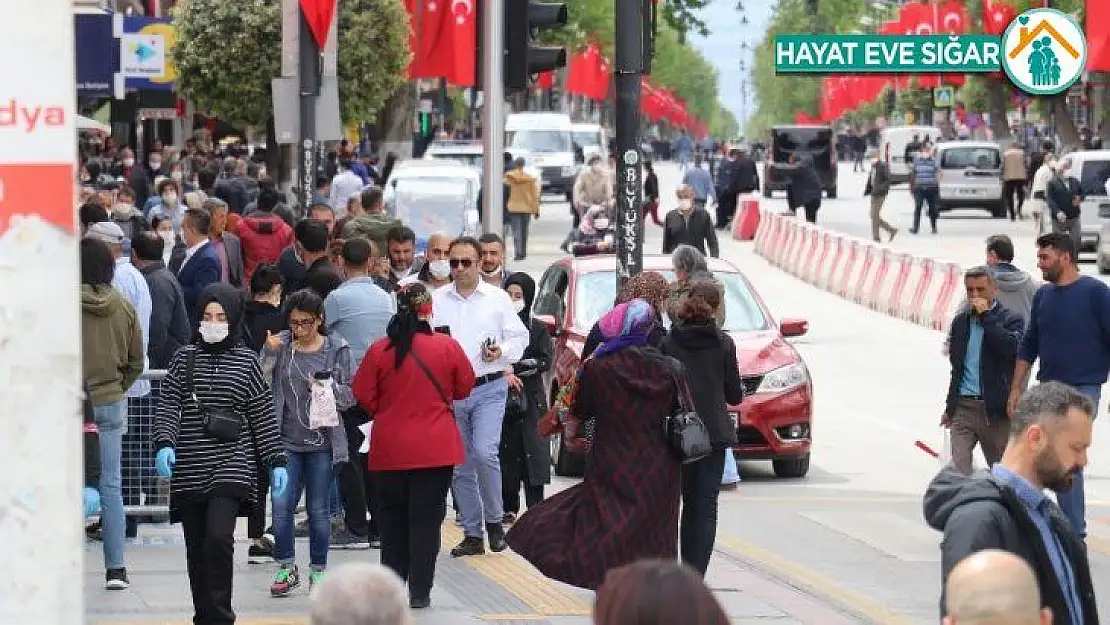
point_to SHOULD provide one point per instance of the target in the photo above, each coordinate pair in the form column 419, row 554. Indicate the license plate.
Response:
column 969, row 192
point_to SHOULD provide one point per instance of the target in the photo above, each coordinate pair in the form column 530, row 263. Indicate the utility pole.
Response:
column 627, row 75
column 40, row 345
column 311, row 75
column 493, row 113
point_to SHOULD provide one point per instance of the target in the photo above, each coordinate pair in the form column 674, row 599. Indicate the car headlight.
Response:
column 568, row 171
column 784, row 378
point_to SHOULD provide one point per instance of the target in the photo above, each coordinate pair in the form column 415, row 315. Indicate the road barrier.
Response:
column 921, row 290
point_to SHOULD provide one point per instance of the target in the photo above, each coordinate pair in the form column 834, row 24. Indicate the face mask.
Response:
column 128, row 162
column 178, row 176
column 601, row 224
column 155, row 164
column 167, row 238
column 518, row 305
column 440, row 269
column 213, row 331
column 170, row 199
column 686, row 204
column 493, row 273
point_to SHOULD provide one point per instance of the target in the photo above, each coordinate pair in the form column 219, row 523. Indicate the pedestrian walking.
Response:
column 1067, row 333
column 214, row 432
column 878, row 186
column 983, row 344
column 690, row 225
column 411, row 381
column 1050, row 433
column 1014, row 176
column 1063, row 197
column 925, row 187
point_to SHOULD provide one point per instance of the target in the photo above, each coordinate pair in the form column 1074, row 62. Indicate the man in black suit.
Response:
column 198, row 265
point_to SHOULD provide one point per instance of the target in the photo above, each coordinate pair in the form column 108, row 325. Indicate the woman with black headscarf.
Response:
column 525, row 455
column 213, row 430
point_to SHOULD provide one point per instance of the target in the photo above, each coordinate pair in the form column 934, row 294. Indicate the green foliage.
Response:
column 724, row 124
column 227, row 53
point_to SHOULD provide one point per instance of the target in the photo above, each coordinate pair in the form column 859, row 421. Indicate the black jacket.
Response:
column 709, row 356
column 982, row 512
column 651, row 187
column 170, row 326
column 1002, row 330
column 258, row 319
column 1060, row 195
column 747, row 175
column 697, row 230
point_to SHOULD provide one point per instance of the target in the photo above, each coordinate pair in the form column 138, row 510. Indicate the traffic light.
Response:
column 523, row 58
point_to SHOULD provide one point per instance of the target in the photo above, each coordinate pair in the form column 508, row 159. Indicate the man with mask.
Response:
column 401, row 247
column 1050, row 433
column 227, row 245
column 493, row 259
column 135, row 177
column 436, row 270
column 1067, row 333
column 594, row 186
column 1062, row 196
column 169, row 192
column 154, row 162
column 689, row 225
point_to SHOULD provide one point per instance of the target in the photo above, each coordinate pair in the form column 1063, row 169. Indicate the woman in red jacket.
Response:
column 408, row 383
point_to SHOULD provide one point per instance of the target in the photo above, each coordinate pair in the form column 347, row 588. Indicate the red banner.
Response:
column 319, row 15
column 1098, row 35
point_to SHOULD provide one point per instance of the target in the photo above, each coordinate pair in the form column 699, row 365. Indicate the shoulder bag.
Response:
column 219, row 423
column 684, row 430
column 431, row 378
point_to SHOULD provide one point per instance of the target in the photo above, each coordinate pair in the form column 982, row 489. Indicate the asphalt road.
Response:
column 847, row 544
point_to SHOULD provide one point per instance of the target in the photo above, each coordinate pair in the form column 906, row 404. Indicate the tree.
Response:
column 228, row 52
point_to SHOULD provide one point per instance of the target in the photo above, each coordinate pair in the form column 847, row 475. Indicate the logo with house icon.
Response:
column 1044, row 51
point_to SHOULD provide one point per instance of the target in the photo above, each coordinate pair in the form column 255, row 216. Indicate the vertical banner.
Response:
column 40, row 345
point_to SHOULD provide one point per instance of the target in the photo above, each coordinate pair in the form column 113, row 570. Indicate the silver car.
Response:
column 970, row 176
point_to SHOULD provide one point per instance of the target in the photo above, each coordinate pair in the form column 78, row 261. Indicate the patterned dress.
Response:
column 626, row 508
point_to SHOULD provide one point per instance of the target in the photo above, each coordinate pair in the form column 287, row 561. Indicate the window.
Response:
column 473, row 159
column 978, row 158
column 1092, row 177
column 549, row 296
column 587, row 139
column 595, row 293
column 540, row 141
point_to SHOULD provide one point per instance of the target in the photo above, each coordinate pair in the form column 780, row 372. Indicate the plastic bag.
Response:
column 322, row 412
column 731, row 474
column 944, row 454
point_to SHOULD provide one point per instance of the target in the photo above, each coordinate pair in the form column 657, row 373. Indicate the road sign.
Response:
column 944, row 97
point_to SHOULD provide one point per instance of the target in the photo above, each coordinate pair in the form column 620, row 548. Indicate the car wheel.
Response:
column 831, row 193
column 998, row 211
column 791, row 467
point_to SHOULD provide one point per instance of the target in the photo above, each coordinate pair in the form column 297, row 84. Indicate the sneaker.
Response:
column 347, row 539
column 116, row 579
column 285, row 581
column 470, row 546
column 260, row 552
column 314, row 577
column 420, row 603
column 495, row 534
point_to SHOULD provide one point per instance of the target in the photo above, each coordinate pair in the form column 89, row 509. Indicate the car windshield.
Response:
column 473, row 159
column 815, row 142
column 594, row 297
column 1092, row 178
column 587, row 139
column 978, row 158
column 541, row 141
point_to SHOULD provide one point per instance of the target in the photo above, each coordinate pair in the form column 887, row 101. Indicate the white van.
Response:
column 549, row 138
column 591, row 138
column 969, row 174
column 898, row 137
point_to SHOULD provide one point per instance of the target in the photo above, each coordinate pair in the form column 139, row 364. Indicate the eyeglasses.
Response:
column 302, row 323
column 465, row 263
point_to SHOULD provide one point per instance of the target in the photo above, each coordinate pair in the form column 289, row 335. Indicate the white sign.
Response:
column 142, row 55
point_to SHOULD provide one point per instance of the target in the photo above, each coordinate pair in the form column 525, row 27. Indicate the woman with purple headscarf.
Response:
column 626, row 508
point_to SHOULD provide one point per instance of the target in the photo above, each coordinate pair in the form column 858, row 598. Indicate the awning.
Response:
column 91, row 125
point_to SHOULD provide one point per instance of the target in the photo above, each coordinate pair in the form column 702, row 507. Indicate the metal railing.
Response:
column 144, row 493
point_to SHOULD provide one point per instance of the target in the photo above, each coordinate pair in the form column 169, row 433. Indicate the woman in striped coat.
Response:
column 214, row 477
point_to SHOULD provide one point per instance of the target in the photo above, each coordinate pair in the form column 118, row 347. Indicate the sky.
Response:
column 722, row 47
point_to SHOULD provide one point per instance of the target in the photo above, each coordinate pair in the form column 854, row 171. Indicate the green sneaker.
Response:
column 314, row 578
column 285, row 581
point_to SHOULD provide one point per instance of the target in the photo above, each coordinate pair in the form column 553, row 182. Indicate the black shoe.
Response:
column 92, row 531
column 421, row 603
column 913, row 230
column 261, row 552
column 347, row 539
column 116, row 579
column 470, row 546
column 495, row 534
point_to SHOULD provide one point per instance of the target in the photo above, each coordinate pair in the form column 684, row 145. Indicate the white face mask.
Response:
column 128, row 162
column 167, row 238
column 440, row 269
column 213, row 331
column 518, row 305
column 686, row 204
column 177, row 175
column 170, row 199
column 601, row 224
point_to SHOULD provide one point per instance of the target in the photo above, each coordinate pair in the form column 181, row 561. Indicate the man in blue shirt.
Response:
column 1069, row 331
column 925, row 187
column 701, row 182
column 983, row 342
column 1007, row 509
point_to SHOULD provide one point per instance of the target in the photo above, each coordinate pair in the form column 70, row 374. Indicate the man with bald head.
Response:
column 993, row 587
column 1007, row 508
column 434, row 271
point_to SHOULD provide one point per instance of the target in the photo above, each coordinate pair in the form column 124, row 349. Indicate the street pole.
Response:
column 41, row 475
column 493, row 113
column 627, row 74
column 311, row 73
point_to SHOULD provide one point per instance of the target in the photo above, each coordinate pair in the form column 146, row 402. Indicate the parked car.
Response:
column 774, row 420
column 470, row 153
column 969, row 174
column 818, row 142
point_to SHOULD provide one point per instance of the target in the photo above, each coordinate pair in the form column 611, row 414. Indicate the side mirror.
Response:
column 550, row 323
column 794, row 327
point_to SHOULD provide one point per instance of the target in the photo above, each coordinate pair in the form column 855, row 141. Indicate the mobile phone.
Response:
column 322, row 375
column 443, row 330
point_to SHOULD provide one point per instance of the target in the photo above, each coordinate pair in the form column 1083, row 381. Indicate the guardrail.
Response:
column 144, row 493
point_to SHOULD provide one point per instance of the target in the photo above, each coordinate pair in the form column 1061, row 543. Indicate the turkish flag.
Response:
column 997, row 16
column 545, row 80
column 952, row 18
column 319, row 15
column 917, row 19
column 444, row 37
column 1098, row 35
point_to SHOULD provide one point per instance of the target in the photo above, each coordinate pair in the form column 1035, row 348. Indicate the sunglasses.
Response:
column 465, row 263
column 302, row 323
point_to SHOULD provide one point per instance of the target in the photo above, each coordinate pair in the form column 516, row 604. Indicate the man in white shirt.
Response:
column 481, row 318
column 345, row 184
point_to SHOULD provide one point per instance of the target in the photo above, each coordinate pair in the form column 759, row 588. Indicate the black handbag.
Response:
column 684, row 430
column 219, row 423
column 516, row 402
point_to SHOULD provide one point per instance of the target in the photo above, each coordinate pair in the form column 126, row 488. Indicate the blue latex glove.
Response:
column 279, row 479
column 164, row 461
column 92, row 501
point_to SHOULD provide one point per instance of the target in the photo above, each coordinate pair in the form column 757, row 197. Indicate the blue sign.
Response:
column 144, row 53
column 97, row 54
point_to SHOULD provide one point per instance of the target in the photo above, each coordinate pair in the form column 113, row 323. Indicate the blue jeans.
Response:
column 1073, row 502
column 335, row 501
column 111, row 420
column 928, row 196
column 311, row 471
column 478, row 480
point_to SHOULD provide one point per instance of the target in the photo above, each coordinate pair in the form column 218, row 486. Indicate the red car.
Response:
column 774, row 420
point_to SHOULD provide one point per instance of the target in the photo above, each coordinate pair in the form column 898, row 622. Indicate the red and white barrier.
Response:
column 922, row 290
